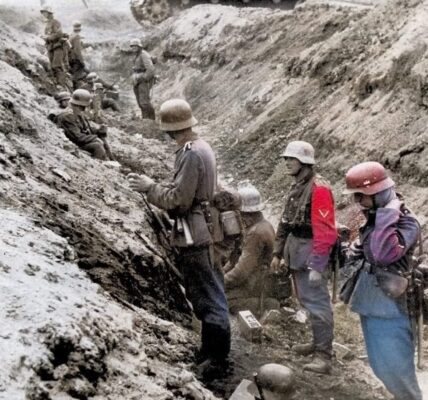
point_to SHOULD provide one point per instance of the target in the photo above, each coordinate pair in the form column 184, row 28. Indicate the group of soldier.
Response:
column 79, row 113
column 225, row 246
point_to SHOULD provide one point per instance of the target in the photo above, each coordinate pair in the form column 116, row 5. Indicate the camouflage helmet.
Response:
column 46, row 9
column 136, row 42
column 62, row 96
column 301, row 150
column 368, row 178
column 251, row 201
column 92, row 76
column 77, row 26
column 81, row 97
column 176, row 115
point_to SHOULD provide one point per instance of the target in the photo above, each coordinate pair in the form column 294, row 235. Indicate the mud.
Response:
column 350, row 80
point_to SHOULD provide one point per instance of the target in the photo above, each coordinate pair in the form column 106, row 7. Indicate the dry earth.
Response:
column 86, row 294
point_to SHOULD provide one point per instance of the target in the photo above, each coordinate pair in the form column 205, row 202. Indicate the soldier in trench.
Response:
column 188, row 201
column 143, row 76
column 77, row 63
column 305, row 238
column 246, row 281
column 80, row 131
column 55, row 42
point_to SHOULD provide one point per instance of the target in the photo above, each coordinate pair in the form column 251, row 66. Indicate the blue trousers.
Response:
column 205, row 290
column 391, row 350
column 317, row 301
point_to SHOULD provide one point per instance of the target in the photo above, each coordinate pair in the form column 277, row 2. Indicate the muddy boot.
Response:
column 304, row 349
column 321, row 364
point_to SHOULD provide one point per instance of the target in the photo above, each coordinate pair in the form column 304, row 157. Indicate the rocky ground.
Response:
column 90, row 307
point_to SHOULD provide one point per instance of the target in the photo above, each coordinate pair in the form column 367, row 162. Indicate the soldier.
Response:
column 187, row 201
column 143, row 75
column 79, row 130
column 62, row 100
column 54, row 39
column 245, row 281
column 305, row 237
column 386, row 243
column 76, row 61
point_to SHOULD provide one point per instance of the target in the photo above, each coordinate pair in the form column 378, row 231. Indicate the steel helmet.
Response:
column 275, row 378
column 92, row 75
column 176, row 115
column 77, row 26
column 46, row 9
column 301, row 150
column 136, row 42
column 98, row 85
column 251, row 201
column 368, row 178
column 62, row 96
column 81, row 97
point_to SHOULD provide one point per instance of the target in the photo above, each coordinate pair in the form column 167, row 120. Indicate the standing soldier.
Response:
column 54, row 39
column 79, row 130
column 76, row 61
column 187, row 201
column 305, row 237
column 143, row 74
column 385, row 246
column 245, row 281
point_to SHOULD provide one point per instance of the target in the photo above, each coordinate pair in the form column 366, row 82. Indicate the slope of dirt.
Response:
column 352, row 81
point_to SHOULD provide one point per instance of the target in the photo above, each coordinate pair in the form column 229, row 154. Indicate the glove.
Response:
column 315, row 278
column 140, row 183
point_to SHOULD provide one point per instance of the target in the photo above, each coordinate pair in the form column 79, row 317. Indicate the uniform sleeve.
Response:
column 394, row 235
column 323, row 227
column 247, row 263
column 73, row 132
column 180, row 196
column 148, row 66
column 280, row 238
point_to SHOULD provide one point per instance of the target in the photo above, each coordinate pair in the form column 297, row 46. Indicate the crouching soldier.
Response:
column 305, row 237
column 246, row 281
column 79, row 130
column 62, row 99
column 187, row 201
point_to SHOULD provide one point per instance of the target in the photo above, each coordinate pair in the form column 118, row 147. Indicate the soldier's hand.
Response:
column 275, row 265
column 140, row 183
column 315, row 278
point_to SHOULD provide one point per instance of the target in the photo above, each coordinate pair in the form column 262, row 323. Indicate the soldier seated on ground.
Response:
column 62, row 99
column 246, row 282
column 80, row 131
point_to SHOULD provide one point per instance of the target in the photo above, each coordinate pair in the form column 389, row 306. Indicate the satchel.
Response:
column 349, row 285
column 392, row 284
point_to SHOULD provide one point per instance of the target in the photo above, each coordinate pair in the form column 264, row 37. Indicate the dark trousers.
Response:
column 142, row 94
column 205, row 290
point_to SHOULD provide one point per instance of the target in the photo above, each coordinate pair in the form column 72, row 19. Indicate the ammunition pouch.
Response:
column 393, row 284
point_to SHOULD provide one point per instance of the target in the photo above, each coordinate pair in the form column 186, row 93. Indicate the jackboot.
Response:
column 321, row 363
column 304, row 349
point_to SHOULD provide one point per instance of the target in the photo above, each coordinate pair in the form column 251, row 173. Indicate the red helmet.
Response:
column 368, row 178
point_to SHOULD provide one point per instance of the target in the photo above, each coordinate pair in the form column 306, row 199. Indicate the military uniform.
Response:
column 76, row 61
column 305, row 237
column 195, row 180
column 79, row 130
column 143, row 79
column 55, row 47
column 246, row 280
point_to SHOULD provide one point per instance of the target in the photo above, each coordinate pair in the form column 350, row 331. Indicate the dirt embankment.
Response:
column 351, row 81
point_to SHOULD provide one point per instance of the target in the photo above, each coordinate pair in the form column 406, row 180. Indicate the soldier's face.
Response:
column 293, row 166
column 135, row 49
column 364, row 200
